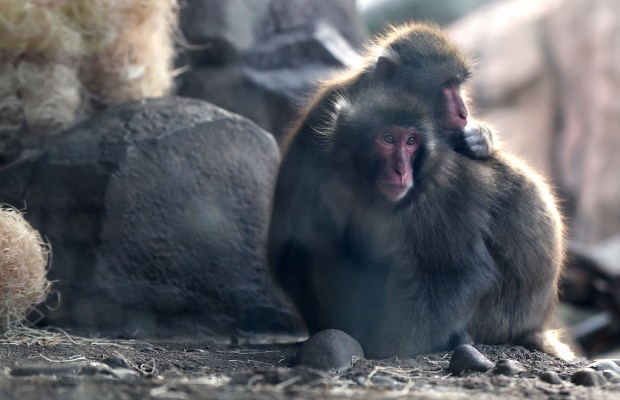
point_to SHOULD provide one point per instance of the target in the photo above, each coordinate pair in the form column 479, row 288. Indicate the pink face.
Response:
column 456, row 112
column 397, row 146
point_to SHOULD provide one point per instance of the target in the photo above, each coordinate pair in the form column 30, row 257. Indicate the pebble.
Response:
column 329, row 350
column 611, row 376
column 383, row 381
column 116, row 362
column 602, row 365
column 74, row 368
column 466, row 357
column 360, row 379
column 587, row 377
column 551, row 377
column 508, row 367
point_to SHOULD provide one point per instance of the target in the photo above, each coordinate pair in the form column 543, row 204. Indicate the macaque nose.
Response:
column 400, row 166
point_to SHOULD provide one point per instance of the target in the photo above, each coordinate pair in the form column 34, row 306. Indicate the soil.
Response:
column 56, row 366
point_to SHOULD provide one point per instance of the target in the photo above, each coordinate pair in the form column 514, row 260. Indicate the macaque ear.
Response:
column 387, row 63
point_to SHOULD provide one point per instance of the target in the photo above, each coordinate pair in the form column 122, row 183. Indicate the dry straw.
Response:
column 57, row 55
column 23, row 263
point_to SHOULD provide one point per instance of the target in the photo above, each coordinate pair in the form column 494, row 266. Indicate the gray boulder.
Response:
column 261, row 58
column 157, row 213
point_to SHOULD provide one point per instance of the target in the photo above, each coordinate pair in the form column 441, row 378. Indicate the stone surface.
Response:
column 551, row 377
column 383, row 381
column 379, row 14
column 467, row 358
column 611, row 376
column 156, row 212
column 261, row 58
column 329, row 350
column 587, row 377
column 508, row 367
column 220, row 30
column 602, row 365
column 545, row 77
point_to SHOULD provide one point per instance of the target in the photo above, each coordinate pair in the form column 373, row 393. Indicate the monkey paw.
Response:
column 479, row 140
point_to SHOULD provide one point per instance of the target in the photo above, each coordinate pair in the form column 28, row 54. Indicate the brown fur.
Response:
column 474, row 251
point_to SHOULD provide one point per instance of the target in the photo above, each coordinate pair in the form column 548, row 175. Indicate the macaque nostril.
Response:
column 463, row 113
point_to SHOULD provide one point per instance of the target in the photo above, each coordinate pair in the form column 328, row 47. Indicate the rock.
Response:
column 223, row 29
column 329, row 350
column 263, row 67
column 116, row 362
column 71, row 368
column 602, row 365
column 551, row 377
column 360, row 379
column 157, row 214
column 466, row 358
column 557, row 98
column 383, row 381
column 381, row 13
column 587, row 377
column 611, row 376
column 508, row 367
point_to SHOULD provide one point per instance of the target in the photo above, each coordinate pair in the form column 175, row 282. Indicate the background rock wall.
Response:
column 546, row 78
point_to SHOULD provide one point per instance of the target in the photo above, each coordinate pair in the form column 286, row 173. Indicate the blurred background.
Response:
column 74, row 153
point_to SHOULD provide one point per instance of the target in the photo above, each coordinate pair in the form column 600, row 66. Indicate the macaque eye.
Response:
column 411, row 141
column 450, row 83
column 389, row 139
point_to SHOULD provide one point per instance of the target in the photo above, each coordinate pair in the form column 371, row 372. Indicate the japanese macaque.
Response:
column 417, row 58
column 381, row 229
column 410, row 247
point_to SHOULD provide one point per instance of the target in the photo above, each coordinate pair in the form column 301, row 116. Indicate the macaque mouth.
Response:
column 394, row 191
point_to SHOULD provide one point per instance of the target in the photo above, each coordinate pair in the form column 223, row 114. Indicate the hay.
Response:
column 11, row 113
column 44, row 31
column 58, row 55
column 138, row 62
column 50, row 95
column 23, row 262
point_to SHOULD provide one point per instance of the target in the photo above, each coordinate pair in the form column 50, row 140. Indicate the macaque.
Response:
column 381, row 229
column 411, row 247
column 420, row 59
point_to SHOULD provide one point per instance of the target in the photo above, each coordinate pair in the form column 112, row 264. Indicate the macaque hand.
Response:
column 479, row 139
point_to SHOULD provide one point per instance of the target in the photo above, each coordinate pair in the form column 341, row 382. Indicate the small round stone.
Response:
column 602, row 365
column 551, row 377
column 612, row 376
column 329, row 350
column 383, row 381
column 467, row 358
column 116, row 362
column 587, row 377
column 508, row 367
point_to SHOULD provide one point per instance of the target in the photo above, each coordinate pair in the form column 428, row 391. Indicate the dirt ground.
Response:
column 36, row 365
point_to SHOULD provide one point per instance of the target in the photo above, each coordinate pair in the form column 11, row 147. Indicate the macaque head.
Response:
column 395, row 147
column 380, row 137
column 422, row 60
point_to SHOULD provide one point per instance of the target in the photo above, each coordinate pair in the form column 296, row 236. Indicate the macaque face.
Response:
column 396, row 147
column 455, row 109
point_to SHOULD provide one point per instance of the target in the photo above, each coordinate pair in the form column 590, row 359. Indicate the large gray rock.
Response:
column 221, row 30
column 380, row 14
column 157, row 213
column 261, row 58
